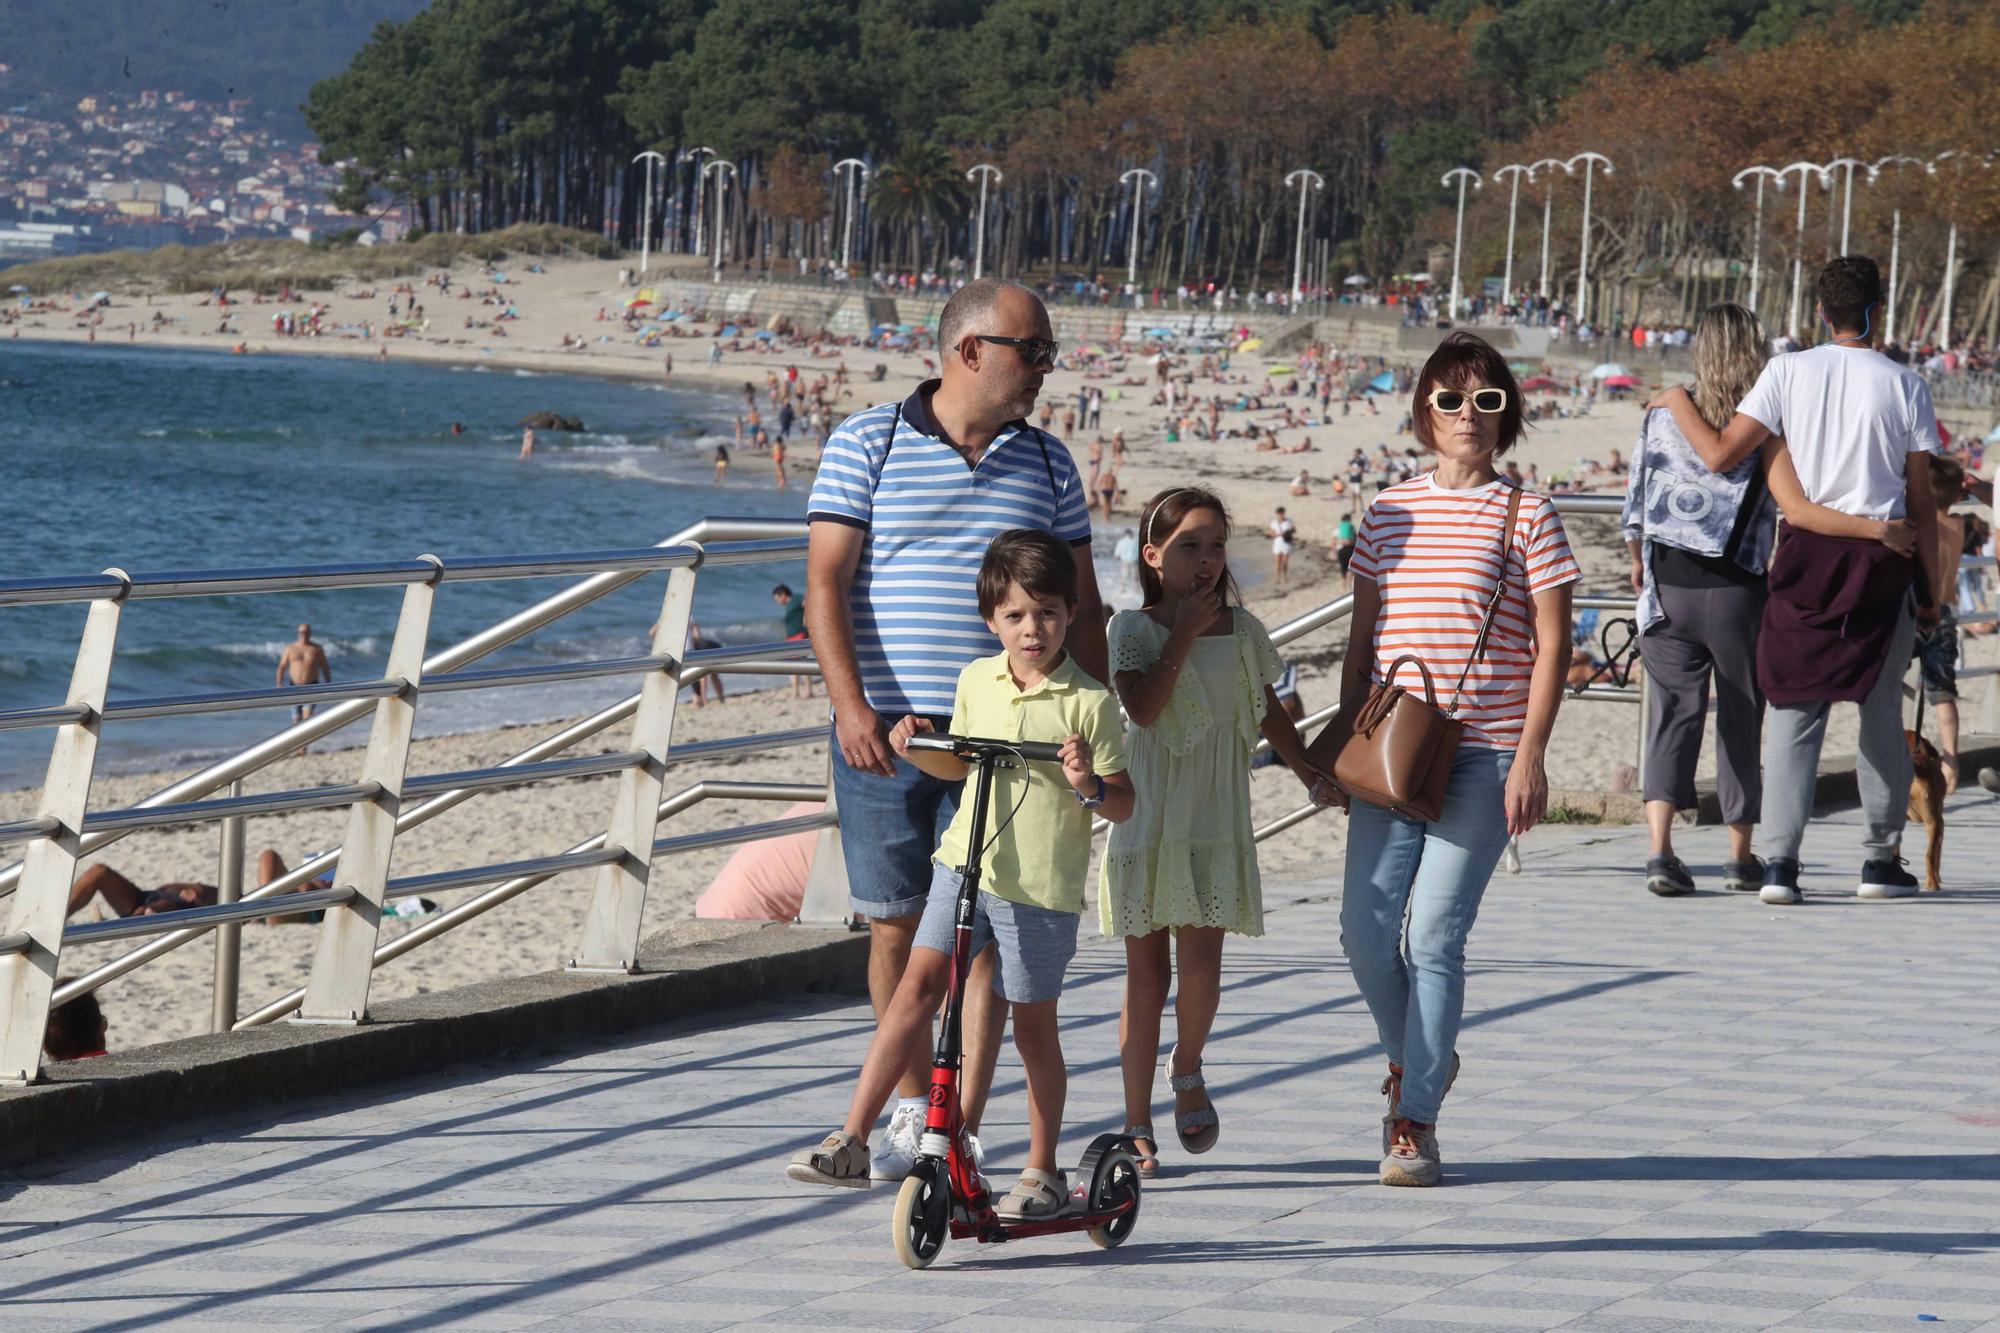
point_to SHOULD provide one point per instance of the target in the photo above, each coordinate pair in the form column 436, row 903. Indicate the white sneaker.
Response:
column 898, row 1153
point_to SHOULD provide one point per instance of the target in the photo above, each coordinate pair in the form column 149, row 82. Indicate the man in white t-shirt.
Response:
column 1859, row 428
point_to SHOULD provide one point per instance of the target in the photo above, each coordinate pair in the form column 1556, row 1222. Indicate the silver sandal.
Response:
column 1148, row 1162
column 1190, row 1125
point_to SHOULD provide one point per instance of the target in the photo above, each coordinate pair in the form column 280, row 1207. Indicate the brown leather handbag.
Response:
column 1397, row 750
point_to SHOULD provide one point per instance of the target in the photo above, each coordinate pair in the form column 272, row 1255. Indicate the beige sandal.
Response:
column 1037, row 1196
column 840, row 1159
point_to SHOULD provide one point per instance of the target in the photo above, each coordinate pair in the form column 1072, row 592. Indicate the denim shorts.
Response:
column 1937, row 655
column 1035, row 944
column 889, row 827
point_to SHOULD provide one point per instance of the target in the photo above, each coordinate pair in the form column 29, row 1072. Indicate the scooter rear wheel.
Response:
column 922, row 1218
column 1115, row 1181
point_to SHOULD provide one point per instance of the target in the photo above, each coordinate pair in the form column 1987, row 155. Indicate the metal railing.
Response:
column 386, row 801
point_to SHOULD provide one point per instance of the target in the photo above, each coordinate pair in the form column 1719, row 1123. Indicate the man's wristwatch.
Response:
column 1092, row 802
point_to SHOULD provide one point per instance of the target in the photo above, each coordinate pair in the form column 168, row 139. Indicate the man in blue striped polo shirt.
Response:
column 907, row 498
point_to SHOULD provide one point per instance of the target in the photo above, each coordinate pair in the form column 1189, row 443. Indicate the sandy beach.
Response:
column 169, row 998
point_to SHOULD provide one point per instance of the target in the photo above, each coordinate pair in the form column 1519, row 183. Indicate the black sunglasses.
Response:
column 1033, row 350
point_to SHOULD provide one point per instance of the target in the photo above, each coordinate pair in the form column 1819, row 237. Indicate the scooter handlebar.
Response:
column 979, row 747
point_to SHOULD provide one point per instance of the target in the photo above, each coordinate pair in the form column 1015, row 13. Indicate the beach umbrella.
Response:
column 1621, row 382
column 1383, row 383
column 1249, row 344
column 1607, row 369
column 1993, row 436
column 1356, row 280
column 1159, row 333
column 765, row 335
column 648, row 295
column 1539, row 383
column 1282, row 370
column 17, row 287
column 638, row 301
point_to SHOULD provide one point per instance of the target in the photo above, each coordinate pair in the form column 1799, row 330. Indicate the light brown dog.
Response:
column 1927, row 803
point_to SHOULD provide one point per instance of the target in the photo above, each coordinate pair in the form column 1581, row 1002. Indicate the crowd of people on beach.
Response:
column 953, row 592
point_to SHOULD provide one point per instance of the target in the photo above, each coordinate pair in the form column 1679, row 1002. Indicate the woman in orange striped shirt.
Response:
column 1424, row 567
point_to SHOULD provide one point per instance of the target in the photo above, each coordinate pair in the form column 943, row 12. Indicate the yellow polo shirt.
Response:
column 1042, row 854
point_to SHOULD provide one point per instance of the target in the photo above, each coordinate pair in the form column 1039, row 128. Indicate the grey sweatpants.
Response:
column 1793, row 735
column 1707, row 631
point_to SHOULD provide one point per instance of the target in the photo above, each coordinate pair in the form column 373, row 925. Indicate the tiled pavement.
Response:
column 1691, row 1114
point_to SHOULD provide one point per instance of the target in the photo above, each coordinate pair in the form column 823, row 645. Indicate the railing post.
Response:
column 41, row 902
column 618, row 895
column 826, row 896
column 343, row 960
column 228, row 937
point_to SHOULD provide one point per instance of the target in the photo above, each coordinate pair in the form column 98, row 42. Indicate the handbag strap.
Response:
column 1383, row 698
column 1493, row 602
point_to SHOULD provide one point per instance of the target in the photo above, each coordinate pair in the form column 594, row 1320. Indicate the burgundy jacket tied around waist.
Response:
column 1834, row 605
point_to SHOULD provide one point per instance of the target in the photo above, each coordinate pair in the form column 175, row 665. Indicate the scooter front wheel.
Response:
column 922, row 1218
column 1114, row 1183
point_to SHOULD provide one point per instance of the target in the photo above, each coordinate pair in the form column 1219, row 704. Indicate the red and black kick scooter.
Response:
column 944, row 1193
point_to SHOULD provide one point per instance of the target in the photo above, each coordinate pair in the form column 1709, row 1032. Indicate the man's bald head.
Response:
column 975, row 308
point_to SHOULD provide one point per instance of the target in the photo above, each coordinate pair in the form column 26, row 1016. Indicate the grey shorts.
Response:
column 1035, row 944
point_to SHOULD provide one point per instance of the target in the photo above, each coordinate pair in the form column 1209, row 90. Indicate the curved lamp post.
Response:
column 649, row 157
column 1895, row 232
column 1548, row 203
column 701, row 173
column 1589, row 161
column 984, row 173
column 1137, row 177
column 1307, row 181
column 1461, row 175
column 1517, row 171
column 725, row 170
column 1760, row 175
column 1958, row 160
column 857, row 170
column 1847, row 203
column 1806, row 170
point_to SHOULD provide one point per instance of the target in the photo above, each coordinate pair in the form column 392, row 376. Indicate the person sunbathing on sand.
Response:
column 125, row 898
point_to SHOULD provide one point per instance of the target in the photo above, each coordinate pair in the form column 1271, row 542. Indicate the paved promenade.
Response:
column 1691, row 1114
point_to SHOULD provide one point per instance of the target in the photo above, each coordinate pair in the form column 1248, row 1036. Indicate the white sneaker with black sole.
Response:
column 898, row 1153
column 1886, row 879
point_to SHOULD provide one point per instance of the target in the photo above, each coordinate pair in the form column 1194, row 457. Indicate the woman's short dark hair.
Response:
column 1039, row 562
column 1461, row 361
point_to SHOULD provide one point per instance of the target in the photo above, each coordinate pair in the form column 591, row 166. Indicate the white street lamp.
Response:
column 1847, row 204
column 1958, row 160
column 1461, row 175
column 1548, row 204
column 1895, row 233
column 1138, row 176
column 649, row 157
column 701, row 173
column 1306, row 180
column 1806, row 170
column 725, row 170
column 1517, row 171
column 1589, row 161
column 985, row 172
column 857, row 171
column 1760, row 175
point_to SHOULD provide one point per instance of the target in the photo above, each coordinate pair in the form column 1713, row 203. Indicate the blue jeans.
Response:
column 889, row 830
column 1436, row 873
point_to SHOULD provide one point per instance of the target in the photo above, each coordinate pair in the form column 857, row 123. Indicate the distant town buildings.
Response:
column 159, row 168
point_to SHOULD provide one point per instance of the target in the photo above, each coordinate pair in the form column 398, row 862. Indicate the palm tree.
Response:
column 917, row 190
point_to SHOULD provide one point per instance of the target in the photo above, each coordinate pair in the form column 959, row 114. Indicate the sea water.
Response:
column 153, row 460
